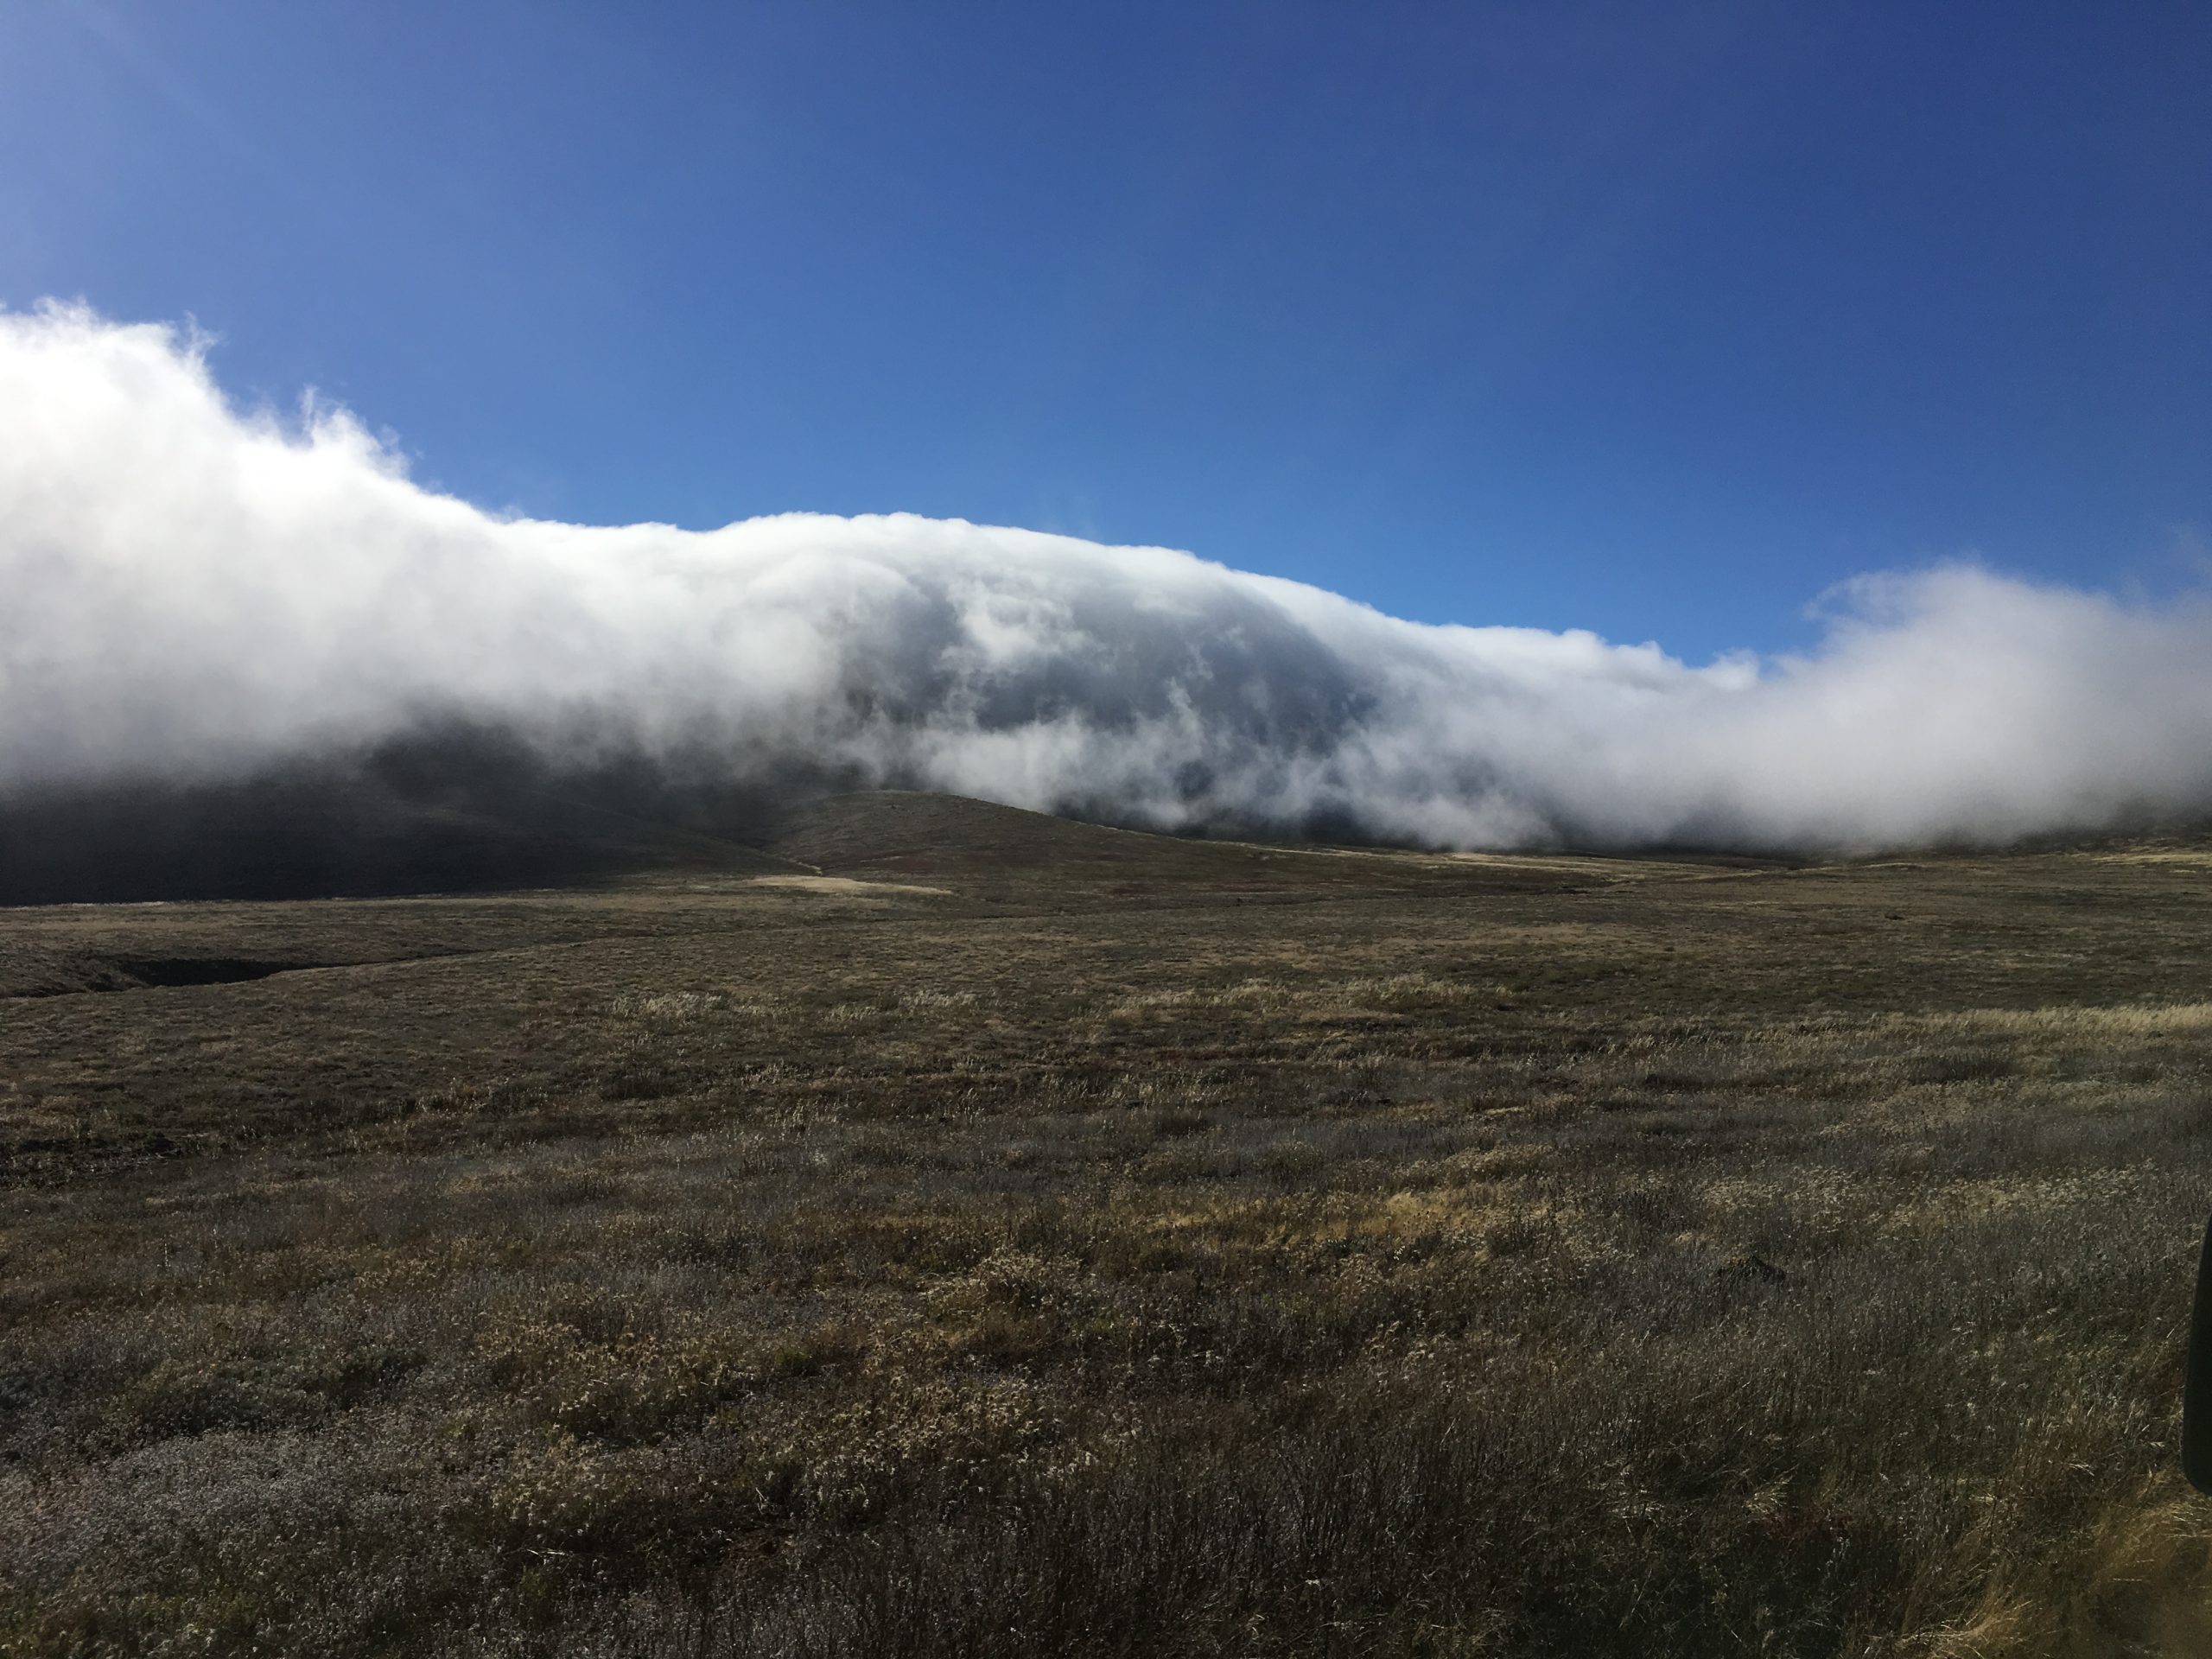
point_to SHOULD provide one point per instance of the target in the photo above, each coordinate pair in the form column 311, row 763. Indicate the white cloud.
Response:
column 191, row 591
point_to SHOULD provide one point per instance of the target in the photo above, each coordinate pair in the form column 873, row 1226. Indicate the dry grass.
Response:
column 1401, row 1259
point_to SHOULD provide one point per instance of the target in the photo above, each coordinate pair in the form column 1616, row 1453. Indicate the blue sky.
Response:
column 1651, row 320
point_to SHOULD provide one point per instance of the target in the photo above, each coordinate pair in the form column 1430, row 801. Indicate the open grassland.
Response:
column 1033, row 1239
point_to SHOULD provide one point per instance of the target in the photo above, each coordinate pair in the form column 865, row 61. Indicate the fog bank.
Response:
column 190, row 592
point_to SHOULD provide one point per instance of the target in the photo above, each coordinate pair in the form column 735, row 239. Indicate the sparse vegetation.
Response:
column 1095, row 1245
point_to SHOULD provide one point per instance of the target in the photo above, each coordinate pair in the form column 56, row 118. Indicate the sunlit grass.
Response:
column 1786, row 1264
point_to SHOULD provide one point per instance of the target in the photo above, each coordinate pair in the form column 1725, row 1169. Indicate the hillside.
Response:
column 332, row 832
column 1004, row 851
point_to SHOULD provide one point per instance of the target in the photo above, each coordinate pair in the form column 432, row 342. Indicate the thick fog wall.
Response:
column 191, row 592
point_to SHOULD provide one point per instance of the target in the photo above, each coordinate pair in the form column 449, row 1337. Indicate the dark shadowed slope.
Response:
column 339, row 829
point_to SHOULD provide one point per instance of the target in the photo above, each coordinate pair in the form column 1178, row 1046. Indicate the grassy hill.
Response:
column 1005, row 851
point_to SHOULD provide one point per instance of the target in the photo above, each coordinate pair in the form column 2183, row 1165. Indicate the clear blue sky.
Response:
column 1653, row 319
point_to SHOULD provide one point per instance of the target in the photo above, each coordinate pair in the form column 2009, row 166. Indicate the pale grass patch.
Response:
column 1391, row 988
column 1957, row 1201
column 1822, row 1201
column 2049, row 1023
column 1141, row 1003
column 1313, row 999
column 2137, row 1019
column 1246, row 996
column 853, row 1456
column 845, row 884
column 2145, row 1568
column 668, row 1008
column 935, row 1001
column 1428, row 1215
column 2168, row 857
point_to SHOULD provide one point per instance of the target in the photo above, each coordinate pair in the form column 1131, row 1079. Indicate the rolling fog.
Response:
column 196, row 594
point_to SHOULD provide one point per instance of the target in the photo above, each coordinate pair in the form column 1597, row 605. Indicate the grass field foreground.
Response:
column 1020, row 1237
